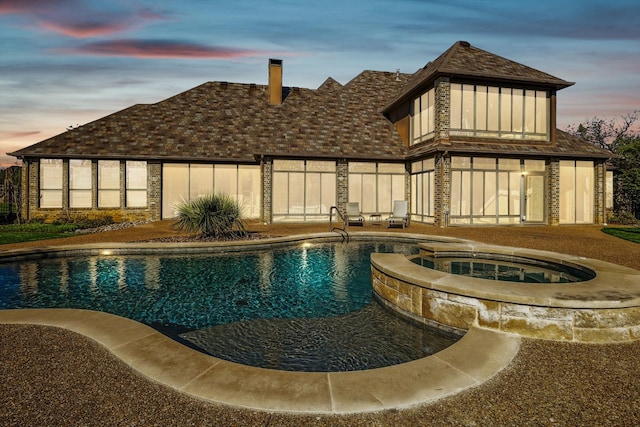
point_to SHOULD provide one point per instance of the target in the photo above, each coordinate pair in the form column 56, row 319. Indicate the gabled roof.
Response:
column 466, row 61
column 233, row 122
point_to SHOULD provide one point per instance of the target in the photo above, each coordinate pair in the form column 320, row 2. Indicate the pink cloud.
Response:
column 160, row 49
column 5, row 135
column 77, row 19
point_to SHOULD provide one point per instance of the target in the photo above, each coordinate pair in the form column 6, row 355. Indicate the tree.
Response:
column 622, row 139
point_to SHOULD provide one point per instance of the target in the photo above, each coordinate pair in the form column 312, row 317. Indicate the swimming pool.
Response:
column 306, row 307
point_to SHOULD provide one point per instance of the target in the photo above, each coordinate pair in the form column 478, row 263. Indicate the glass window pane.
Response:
column 397, row 187
column 534, row 166
column 481, row 107
column 567, row 192
column 225, row 180
column 514, row 193
column 461, row 162
column 503, row 193
column 136, row 198
column 249, row 190
column 489, row 193
column 530, row 111
column 328, row 192
column 312, row 193
column 424, row 115
column 51, row 198
column 518, row 102
column 509, row 164
column 355, row 188
column 288, row 165
column 136, row 175
column 542, row 112
column 280, row 193
column 505, row 110
column 79, row 174
column 385, row 203
column 80, row 198
column 432, row 194
column 415, row 119
column 478, row 193
column 296, row 193
column 175, row 187
column 51, row 174
column 108, row 174
column 416, row 197
column 369, row 194
column 467, row 107
column 200, row 180
column 584, row 192
column 391, row 168
column 362, row 167
column 429, row 164
column 456, row 106
column 321, row 166
column 416, row 167
column 456, row 186
column 108, row 183
column 484, row 163
column 465, row 199
column 432, row 109
column 493, row 111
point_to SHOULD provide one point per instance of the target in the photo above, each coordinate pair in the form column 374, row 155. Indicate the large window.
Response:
column 488, row 111
column 423, row 190
column 576, row 192
column 80, row 183
column 423, row 117
column 51, row 183
column 184, row 181
column 303, row 190
column 108, row 183
column 136, row 184
column 376, row 185
column 486, row 190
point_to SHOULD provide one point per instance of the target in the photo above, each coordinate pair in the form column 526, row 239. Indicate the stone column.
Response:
column 442, row 183
column 554, row 192
column 342, row 184
column 599, row 186
column 266, row 172
column 154, row 190
column 442, row 107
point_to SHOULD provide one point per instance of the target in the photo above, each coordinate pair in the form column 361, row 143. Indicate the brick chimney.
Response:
column 275, row 81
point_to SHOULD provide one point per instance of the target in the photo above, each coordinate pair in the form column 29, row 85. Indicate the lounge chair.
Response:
column 400, row 215
column 354, row 217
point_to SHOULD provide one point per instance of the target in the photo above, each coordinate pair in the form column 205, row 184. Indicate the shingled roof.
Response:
column 566, row 145
column 234, row 122
column 466, row 61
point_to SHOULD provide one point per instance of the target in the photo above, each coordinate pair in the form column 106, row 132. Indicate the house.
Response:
column 469, row 139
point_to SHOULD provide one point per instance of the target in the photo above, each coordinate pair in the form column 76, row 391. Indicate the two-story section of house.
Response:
column 470, row 139
column 484, row 148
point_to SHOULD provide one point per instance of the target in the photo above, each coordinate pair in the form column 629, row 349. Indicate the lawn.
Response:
column 29, row 232
column 628, row 233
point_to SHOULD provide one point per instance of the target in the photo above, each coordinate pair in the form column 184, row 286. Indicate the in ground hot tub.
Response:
column 561, row 297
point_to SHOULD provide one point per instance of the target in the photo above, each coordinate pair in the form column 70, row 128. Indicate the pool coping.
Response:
column 476, row 357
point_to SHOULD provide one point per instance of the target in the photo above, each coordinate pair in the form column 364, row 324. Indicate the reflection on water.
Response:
column 303, row 308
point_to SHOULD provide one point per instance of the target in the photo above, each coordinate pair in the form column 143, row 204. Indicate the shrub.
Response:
column 622, row 217
column 212, row 215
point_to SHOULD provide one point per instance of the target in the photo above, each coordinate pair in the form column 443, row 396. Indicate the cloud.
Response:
column 79, row 19
column 159, row 49
column 5, row 135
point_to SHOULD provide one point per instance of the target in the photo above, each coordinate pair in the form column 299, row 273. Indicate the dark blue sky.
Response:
column 68, row 62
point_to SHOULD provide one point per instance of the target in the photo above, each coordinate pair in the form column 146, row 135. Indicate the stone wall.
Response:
column 462, row 312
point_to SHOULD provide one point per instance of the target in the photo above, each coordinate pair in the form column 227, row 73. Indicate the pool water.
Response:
column 306, row 308
column 510, row 269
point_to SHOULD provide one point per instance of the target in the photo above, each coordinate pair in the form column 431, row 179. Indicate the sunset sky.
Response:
column 68, row 62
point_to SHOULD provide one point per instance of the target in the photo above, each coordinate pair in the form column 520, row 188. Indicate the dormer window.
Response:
column 423, row 117
column 499, row 112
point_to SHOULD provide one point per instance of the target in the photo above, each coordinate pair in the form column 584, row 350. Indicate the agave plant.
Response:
column 212, row 215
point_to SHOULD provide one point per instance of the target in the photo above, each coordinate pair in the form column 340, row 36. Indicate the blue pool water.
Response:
column 244, row 307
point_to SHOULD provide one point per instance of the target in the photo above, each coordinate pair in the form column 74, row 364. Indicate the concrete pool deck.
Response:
column 478, row 356
column 547, row 382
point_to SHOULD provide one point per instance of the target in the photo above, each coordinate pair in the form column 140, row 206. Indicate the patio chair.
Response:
column 400, row 215
column 354, row 217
